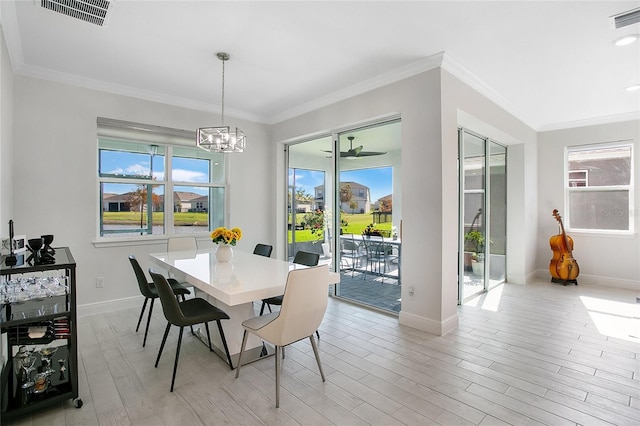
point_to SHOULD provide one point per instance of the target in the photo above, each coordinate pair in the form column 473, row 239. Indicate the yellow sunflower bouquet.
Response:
column 223, row 235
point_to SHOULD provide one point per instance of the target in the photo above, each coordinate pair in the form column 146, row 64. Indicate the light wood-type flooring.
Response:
column 522, row 355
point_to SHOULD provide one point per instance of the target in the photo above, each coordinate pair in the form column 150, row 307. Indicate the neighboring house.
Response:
column 304, row 206
column 200, row 204
column 115, row 203
column 360, row 198
column 183, row 202
column 188, row 202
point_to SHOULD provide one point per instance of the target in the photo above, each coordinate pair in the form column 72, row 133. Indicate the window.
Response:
column 599, row 188
column 186, row 185
column 578, row 178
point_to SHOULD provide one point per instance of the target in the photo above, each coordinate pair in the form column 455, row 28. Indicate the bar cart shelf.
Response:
column 36, row 323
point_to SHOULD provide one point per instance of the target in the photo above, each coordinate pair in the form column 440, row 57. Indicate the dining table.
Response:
column 232, row 286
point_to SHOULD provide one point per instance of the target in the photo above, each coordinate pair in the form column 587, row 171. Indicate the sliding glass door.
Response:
column 482, row 181
column 309, row 199
column 497, row 214
column 344, row 203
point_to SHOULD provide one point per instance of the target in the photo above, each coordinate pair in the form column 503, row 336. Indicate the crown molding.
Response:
column 9, row 24
column 9, row 28
column 616, row 118
column 466, row 76
column 89, row 83
column 414, row 68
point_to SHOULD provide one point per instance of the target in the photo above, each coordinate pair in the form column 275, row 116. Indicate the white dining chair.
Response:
column 182, row 244
column 303, row 307
column 187, row 243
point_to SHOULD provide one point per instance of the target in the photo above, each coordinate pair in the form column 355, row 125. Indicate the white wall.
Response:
column 417, row 100
column 6, row 139
column 429, row 104
column 603, row 259
column 55, row 178
column 54, row 181
column 462, row 105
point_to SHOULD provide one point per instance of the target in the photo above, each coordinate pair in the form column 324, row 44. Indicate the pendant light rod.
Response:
column 224, row 57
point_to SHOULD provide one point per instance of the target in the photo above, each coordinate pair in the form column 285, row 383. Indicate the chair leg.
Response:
column 244, row 343
column 206, row 326
column 318, row 334
column 144, row 306
column 175, row 364
column 278, row 366
column 164, row 340
column 262, row 308
column 224, row 343
column 146, row 330
column 315, row 351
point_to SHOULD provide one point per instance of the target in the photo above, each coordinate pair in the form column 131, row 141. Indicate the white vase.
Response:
column 477, row 267
column 224, row 253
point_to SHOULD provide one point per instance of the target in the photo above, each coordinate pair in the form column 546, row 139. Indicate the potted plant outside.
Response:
column 476, row 240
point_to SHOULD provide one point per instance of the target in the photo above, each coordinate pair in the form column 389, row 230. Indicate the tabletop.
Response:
column 246, row 278
column 359, row 238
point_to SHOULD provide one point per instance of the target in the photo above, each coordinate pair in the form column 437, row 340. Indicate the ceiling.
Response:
column 550, row 63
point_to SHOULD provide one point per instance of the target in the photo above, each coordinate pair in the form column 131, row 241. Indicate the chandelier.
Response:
column 221, row 138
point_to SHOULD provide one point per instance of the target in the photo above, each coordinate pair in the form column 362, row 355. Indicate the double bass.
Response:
column 563, row 266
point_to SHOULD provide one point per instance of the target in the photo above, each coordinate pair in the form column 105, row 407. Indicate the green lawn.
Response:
column 133, row 218
column 356, row 223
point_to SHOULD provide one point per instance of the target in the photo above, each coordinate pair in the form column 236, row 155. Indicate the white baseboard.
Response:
column 543, row 275
column 109, row 306
column 428, row 325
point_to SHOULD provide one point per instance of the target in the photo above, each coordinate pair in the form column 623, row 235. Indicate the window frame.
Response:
column 568, row 190
column 168, row 139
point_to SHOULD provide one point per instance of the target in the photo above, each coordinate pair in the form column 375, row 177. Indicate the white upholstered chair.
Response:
column 303, row 306
column 182, row 244
column 187, row 243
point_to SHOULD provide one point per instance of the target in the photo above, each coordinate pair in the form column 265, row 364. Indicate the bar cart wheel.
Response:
column 77, row 402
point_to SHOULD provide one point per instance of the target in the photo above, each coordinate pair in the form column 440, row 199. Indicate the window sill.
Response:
column 143, row 241
column 602, row 234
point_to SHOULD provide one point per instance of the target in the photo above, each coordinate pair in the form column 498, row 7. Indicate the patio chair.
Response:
column 350, row 250
column 378, row 255
column 303, row 307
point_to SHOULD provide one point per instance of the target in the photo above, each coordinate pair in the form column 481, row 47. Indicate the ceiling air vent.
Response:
column 92, row 11
column 626, row 18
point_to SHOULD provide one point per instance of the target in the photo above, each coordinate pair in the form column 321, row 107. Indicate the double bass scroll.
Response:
column 563, row 267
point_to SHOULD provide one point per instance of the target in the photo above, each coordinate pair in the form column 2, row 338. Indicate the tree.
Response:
column 303, row 196
column 386, row 206
column 353, row 205
column 346, row 195
column 138, row 198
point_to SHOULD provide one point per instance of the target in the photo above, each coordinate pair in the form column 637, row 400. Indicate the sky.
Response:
column 133, row 164
column 379, row 180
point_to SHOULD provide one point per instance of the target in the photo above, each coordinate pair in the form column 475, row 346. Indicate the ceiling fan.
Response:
column 357, row 151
